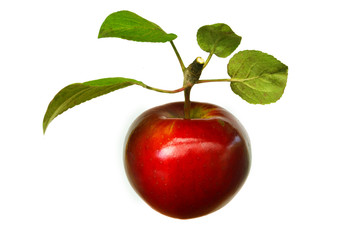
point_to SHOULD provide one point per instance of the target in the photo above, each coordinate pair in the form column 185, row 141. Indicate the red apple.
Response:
column 187, row 168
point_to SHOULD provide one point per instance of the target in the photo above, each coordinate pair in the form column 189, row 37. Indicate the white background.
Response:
column 305, row 181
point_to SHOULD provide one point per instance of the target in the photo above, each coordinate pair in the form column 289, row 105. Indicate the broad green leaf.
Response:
column 78, row 93
column 257, row 77
column 218, row 39
column 130, row 26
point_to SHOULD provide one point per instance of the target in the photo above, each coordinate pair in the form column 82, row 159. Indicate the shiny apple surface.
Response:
column 187, row 168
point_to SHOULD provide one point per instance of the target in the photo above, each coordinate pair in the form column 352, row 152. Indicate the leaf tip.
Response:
column 100, row 35
column 45, row 126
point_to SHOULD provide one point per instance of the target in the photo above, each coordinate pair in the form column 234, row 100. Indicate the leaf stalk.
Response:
column 163, row 90
column 178, row 56
column 208, row 59
column 188, row 85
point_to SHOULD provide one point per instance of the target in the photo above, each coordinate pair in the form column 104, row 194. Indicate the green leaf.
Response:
column 218, row 39
column 78, row 93
column 257, row 77
column 130, row 26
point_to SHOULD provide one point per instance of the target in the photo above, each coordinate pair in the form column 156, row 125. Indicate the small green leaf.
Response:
column 130, row 26
column 218, row 39
column 78, row 93
column 257, row 77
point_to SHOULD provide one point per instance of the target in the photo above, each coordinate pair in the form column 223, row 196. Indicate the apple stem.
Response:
column 187, row 103
column 191, row 75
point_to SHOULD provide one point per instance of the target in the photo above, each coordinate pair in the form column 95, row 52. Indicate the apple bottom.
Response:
column 187, row 168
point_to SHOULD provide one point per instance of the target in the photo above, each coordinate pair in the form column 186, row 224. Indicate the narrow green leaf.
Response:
column 130, row 26
column 218, row 39
column 259, row 78
column 78, row 93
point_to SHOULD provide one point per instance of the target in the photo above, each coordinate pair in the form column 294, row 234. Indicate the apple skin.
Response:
column 187, row 168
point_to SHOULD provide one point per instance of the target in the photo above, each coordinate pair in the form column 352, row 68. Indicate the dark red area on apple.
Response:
column 187, row 168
